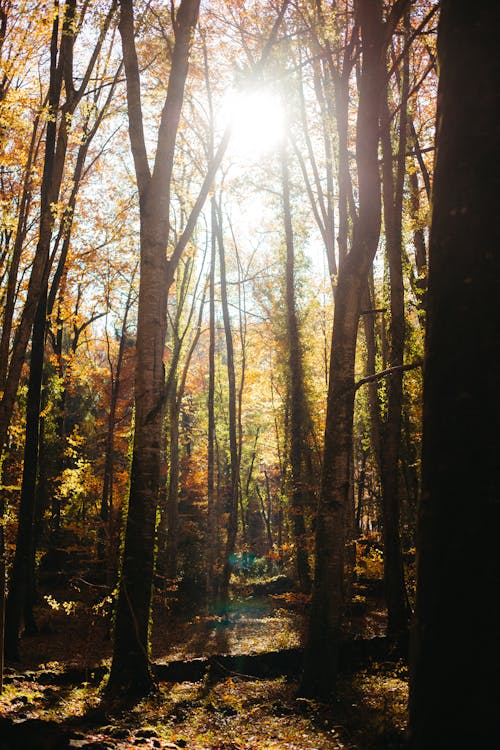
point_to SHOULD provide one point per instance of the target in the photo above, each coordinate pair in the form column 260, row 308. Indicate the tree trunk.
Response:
column 20, row 235
column 34, row 309
column 456, row 656
column 296, row 395
column 395, row 590
column 327, row 606
column 105, row 533
column 174, row 407
column 130, row 669
column 232, row 525
column 211, row 496
column 20, row 577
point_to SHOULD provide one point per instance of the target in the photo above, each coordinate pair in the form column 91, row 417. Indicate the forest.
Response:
column 249, row 374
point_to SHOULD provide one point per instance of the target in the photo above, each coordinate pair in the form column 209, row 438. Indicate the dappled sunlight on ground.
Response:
column 225, row 711
column 250, row 626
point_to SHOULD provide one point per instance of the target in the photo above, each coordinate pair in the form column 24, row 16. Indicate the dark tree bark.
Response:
column 296, row 396
column 20, row 573
column 9, row 301
column 456, row 656
column 393, row 185
column 61, row 66
column 130, row 671
column 174, row 409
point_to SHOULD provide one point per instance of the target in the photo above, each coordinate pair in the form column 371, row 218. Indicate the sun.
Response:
column 257, row 120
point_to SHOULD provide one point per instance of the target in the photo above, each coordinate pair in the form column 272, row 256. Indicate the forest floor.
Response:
column 52, row 698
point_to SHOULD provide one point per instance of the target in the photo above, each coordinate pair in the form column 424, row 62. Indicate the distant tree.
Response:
column 105, row 532
column 233, row 490
column 299, row 421
column 456, row 655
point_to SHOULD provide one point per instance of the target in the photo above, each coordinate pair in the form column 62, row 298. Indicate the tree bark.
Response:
column 393, row 184
column 455, row 655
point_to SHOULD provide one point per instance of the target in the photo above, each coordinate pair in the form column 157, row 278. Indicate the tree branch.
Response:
column 389, row 371
column 134, row 107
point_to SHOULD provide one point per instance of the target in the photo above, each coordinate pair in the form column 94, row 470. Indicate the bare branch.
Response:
column 387, row 372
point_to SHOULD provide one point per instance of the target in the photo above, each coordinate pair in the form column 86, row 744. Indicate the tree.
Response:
column 455, row 655
column 234, row 464
column 299, row 422
column 130, row 670
column 105, row 532
column 61, row 76
column 393, row 190
column 325, row 625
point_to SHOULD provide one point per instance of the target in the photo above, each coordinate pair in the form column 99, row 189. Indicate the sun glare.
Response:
column 257, row 121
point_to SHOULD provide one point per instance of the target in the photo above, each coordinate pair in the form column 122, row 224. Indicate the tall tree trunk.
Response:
column 211, row 496
column 174, row 407
column 130, row 669
column 232, row 525
column 296, row 394
column 456, row 656
column 61, row 68
column 176, row 394
column 36, row 290
column 3, row 586
column 35, row 309
column 19, row 577
column 321, row 656
column 395, row 590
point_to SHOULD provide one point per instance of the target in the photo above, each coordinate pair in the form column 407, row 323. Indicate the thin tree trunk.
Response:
column 19, row 577
column 105, row 534
column 296, row 395
column 174, row 407
column 20, row 235
column 3, row 586
column 61, row 66
column 395, row 590
column 22, row 575
column 232, row 526
column 34, row 309
column 177, row 390
column 40, row 266
column 211, row 497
